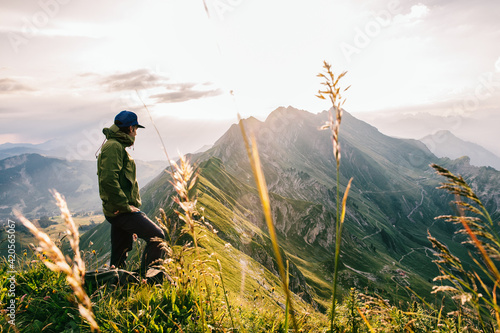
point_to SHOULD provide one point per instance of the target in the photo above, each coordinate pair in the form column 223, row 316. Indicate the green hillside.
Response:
column 391, row 206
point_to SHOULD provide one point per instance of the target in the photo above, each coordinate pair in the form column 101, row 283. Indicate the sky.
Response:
column 67, row 67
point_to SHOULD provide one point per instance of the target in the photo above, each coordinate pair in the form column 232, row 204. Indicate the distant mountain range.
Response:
column 444, row 144
column 51, row 148
column 480, row 127
column 25, row 181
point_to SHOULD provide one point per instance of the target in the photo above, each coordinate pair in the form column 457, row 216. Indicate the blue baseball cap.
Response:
column 126, row 119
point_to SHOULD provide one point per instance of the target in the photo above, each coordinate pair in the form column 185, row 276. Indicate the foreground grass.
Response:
column 45, row 303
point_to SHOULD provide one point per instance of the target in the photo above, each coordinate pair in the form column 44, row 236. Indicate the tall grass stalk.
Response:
column 56, row 262
column 332, row 90
column 157, row 132
column 183, row 180
column 253, row 156
column 471, row 293
column 225, row 294
column 366, row 320
column 287, row 307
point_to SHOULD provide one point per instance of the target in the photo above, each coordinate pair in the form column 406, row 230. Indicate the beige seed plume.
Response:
column 332, row 90
column 56, row 261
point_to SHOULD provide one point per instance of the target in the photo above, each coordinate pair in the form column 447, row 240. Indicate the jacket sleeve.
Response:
column 111, row 163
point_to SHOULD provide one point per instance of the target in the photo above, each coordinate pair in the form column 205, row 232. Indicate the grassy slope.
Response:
column 233, row 208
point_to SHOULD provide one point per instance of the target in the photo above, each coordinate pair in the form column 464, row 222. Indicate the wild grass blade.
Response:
column 338, row 241
column 183, row 180
column 287, row 306
column 156, row 129
column 56, row 261
column 253, row 156
column 332, row 90
column 482, row 235
column 225, row 294
column 366, row 320
column 497, row 312
column 489, row 263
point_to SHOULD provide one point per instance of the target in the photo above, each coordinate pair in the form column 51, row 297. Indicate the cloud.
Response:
column 8, row 85
column 417, row 12
column 184, row 92
column 137, row 79
column 176, row 92
column 446, row 15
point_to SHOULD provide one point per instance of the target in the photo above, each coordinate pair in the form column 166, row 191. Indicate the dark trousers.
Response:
column 123, row 227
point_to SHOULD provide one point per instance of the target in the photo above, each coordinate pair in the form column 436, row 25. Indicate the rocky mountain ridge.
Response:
column 392, row 203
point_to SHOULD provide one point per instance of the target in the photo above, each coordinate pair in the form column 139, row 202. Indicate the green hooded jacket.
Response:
column 118, row 187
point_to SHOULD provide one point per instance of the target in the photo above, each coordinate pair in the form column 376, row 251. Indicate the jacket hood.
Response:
column 113, row 132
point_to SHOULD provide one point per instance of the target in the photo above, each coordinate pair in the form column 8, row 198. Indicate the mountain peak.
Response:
column 288, row 111
column 447, row 132
column 441, row 134
column 252, row 121
column 444, row 143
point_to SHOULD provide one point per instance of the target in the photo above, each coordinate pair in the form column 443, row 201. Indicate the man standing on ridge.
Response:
column 119, row 192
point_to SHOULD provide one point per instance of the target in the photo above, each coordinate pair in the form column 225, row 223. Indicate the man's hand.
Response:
column 132, row 208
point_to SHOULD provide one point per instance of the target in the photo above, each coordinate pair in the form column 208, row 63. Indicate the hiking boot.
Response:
column 156, row 276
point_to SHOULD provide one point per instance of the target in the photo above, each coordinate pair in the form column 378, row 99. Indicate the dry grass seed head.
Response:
column 56, row 261
column 332, row 90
